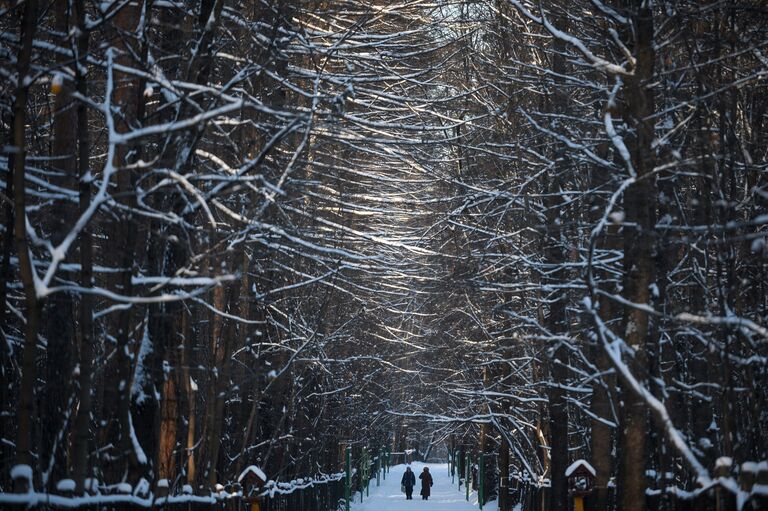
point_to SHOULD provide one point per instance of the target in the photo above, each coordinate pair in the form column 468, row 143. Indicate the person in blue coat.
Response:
column 408, row 482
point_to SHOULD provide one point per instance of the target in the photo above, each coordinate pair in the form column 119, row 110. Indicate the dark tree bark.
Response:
column 25, row 418
column 123, row 233
column 556, row 320
column 81, row 445
column 58, row 321
column 639, row 265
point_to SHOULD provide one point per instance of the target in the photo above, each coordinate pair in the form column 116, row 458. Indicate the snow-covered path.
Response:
column 445, row 495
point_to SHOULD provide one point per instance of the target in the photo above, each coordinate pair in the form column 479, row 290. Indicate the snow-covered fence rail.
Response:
column 48, row 501
column 750, row 493
column 251, row 491
column 524, row 493
column 325, row 493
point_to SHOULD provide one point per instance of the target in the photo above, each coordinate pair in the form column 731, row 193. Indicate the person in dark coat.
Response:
column 426, row 484
column 408, row 482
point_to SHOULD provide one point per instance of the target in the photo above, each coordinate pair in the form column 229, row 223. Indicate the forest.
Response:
column 261, row 232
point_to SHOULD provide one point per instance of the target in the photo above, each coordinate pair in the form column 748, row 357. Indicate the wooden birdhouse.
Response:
column 581, row 478
column 252, row 480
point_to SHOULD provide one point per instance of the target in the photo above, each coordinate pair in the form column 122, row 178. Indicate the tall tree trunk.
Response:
column 244, row 330
column 57, row 323
column 556, row 321
column 82, row 434
column 25, row 418
column 190, row 386
column 639, row 265
column 603, row 388
column 166, row 465
column 126, row 99
column 8, row 366
column 216, row 385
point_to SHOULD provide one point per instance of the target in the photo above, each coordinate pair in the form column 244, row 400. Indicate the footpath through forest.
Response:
column 445, row 494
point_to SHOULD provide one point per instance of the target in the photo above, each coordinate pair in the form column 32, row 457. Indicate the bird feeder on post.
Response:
column 581, row 482
column 252, row 480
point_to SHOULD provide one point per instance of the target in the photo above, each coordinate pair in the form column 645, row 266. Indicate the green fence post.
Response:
column 468, row 472
column 453, row 467
column 458, row 472
column 366, row 466
column 361, row 474
column 481, row 483
column 348, row 482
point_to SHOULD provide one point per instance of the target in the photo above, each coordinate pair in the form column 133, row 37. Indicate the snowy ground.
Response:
column 445, row 495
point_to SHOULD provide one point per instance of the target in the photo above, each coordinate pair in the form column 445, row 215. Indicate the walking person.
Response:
column 408, row 482
column 426, row 484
